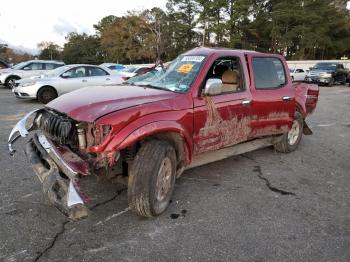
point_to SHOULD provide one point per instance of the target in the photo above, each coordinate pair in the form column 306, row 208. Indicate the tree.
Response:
column 103, row 23
column 183, row 21
column 82, row 48
column 49, row 51
column 129, row 39
column 160, row 36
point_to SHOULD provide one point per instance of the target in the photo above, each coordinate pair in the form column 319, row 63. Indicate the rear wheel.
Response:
column 152, row 178
column 291, row 140
column 11, row 81
column 46, row 94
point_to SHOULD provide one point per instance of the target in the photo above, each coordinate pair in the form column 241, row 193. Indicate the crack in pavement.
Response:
column 260, row 175
column 63, row 229
column 53, row 242
column 108, row 200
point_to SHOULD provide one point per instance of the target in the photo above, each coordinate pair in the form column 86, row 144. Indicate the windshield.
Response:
column 178, row 77
column 325, row 66
column 145, row 79
column 19, row 66
column 57, row 71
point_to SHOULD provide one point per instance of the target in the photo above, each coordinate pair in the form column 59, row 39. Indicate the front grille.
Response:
column 59, row 127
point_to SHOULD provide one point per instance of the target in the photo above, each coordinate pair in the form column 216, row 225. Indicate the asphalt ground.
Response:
column 260, row 206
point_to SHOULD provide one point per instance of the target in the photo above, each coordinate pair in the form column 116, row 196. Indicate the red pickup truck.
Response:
column 208, row 105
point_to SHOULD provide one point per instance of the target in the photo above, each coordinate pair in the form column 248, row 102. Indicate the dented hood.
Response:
column 90, row 103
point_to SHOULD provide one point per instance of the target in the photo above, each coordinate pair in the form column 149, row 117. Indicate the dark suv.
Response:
column 328, row 73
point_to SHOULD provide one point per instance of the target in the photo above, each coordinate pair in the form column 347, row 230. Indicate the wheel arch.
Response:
column 12, row 76
column 170, row 131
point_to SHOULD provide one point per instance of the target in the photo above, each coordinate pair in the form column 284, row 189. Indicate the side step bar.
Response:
column 232, row 151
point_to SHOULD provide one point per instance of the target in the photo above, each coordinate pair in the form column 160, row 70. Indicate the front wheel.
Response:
column 291, row 140
column 46, row 94
column 331, row 82
column 152, row 178
column 11, row 81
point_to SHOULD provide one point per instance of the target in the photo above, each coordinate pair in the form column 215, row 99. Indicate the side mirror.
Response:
column 310, row 68
column 27, row 68
column 213, row 87
column 66, row 75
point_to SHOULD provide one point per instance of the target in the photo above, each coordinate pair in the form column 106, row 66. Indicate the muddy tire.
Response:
column 291, row 140
column 46, row 94
column 152, row 178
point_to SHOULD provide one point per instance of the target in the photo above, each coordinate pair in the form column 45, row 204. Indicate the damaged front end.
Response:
column 54, row 153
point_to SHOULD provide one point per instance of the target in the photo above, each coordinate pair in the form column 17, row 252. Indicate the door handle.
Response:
column 246, row 102
column 286, row 98
column 107, row 79
column 84, row 80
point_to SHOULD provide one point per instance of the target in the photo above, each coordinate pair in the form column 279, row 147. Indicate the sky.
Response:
column 25, row 23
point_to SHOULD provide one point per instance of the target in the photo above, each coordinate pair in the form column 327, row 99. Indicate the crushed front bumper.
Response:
column 58, row 176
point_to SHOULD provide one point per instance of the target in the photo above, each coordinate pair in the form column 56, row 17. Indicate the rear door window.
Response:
column 35, row 66
column 268, row 73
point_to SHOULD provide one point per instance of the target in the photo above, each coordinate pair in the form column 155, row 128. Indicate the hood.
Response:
column 6, row 70
column 88, row 104
column 35, row 79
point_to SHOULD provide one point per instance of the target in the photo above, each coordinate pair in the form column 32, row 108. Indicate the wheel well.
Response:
column 176, row 140
column 47, row 86
column 12, row 76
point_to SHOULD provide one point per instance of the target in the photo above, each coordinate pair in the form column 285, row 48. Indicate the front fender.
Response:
column 125, row 138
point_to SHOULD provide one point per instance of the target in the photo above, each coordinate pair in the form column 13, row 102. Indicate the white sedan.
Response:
column 298, row 74
column 63, row 80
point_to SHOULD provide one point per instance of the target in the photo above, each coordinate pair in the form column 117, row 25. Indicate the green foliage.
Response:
column 298, row 29
column 82, row 49
column 49, row 51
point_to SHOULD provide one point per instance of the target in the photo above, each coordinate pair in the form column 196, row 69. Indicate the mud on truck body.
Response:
column 210, row 104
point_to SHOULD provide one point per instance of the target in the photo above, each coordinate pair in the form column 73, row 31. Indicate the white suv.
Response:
column 26, row 69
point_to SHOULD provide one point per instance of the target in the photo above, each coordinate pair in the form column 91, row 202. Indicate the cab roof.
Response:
column 214, row 50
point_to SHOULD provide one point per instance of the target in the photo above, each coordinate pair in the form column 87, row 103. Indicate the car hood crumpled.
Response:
column 90, row 103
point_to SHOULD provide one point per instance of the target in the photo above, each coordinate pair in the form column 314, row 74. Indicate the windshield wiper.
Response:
column 155, row 87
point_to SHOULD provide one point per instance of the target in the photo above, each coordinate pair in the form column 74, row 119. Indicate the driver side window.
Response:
column 229, row 71
column 74, row 73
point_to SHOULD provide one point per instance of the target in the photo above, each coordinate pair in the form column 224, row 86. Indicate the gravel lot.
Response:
column 261, row 206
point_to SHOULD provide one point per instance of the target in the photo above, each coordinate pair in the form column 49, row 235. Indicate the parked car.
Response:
column 326, row 73
column 26, row 69
column 209, row 104
column 112, row 66
column 63, row 80
column 297, row 74
column 3, row 64
column 132, row 71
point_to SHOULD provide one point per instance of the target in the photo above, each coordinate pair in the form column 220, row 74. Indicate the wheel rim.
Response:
column 12, row 83
column 47, row 95
column 164, row 179
column 293, row 133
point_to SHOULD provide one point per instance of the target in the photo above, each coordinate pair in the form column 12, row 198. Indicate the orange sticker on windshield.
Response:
column 185, row 68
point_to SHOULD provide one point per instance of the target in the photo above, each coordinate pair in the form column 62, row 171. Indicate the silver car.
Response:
column 63, row 80
column 31, row 68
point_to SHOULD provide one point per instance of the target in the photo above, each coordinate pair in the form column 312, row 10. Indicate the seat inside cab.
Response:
column 228, row 70
column 230, row 81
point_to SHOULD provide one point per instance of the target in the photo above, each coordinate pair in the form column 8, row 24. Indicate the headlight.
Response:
column 27, row 84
